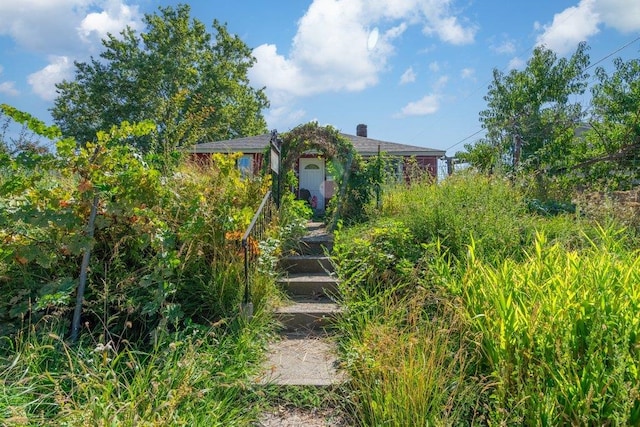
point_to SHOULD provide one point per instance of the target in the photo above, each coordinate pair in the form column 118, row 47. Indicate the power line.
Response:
column 464, row 139
column 609, row 55
column 469, row 94
column 613, row 53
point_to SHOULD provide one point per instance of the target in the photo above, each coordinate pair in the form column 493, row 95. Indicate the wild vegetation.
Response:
column 161, row 340
column 536, row 129
column 489, row 298
column 465, row 306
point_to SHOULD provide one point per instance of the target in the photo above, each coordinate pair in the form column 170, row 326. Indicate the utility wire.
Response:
column 464, row 139
column 609, row 55
column 613, row 53
column 469, row 94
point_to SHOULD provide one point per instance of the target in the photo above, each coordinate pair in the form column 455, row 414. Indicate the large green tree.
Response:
column 608, row 154
column 194, row 87
column 530, row 117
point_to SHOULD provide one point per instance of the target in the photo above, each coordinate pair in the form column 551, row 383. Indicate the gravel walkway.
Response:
column 294, row 417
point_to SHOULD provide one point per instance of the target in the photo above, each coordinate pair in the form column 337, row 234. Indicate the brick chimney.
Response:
column 361, row 130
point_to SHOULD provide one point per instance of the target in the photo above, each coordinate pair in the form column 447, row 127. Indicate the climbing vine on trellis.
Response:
column 325, row 139
column 354, row 179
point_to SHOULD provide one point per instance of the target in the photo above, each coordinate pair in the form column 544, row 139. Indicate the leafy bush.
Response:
column 163, row 343
column 373, row 258
column 157, row 250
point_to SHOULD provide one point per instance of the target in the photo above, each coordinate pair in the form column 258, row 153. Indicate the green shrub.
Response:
column 460, row 208
column 375, row 257
column 159, row 246
column 455, row 284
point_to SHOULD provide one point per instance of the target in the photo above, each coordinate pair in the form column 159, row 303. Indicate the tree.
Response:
column 529, row 119
column 173, row 74
column 609, row 154
column 15, row 134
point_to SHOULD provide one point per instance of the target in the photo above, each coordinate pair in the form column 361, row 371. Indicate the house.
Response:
column 311, row 168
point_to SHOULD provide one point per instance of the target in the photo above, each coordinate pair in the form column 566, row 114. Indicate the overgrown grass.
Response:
column 560, row 333
column 406, row 367
column 463, row 307
column 197, row 377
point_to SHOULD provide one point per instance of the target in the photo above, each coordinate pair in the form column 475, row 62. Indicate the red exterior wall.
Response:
column 427, row 163
column 257, row 159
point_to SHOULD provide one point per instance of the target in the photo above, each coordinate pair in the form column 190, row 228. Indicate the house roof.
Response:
column 364, row 146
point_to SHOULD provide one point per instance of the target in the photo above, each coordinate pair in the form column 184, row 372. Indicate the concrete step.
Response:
column 298, row 264
column 307, row 314
column 315, row 227
column 309, row 284
column 301, row 359
column 315, row 245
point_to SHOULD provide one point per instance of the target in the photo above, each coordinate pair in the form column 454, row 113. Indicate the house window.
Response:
column 312, row 166
column 245, row 165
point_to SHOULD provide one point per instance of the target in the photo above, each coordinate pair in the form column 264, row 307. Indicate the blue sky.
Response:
column 421, row 81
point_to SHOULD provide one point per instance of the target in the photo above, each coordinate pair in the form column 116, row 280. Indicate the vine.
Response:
column 355, row 178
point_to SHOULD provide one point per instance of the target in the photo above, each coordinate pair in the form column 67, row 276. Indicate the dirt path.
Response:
column 295, row 417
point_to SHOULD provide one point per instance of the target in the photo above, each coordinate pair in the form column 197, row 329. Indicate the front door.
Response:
column 312, row 179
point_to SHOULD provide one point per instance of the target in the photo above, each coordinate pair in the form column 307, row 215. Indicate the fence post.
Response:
column 77, row 312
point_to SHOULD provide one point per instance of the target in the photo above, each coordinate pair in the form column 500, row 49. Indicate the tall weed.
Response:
column 459, row 283
column 199, row 377
column 460, row 208
column 402, row 342
column 560, row 333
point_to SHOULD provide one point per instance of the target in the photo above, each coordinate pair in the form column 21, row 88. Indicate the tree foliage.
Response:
column 533, row 127
column 609, row 154
column 192, row 86
column 530, row 117
column 16, row 135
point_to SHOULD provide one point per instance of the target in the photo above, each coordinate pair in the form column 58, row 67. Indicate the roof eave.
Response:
column 405, row 153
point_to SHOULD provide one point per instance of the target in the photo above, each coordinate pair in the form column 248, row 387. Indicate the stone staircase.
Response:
column 305, row 354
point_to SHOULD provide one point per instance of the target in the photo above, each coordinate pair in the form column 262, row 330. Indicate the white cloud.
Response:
column 467, row 73
column 329, row 51
column 570, row 27
column 434, row 66
column 64, row 30
column 516, row 64
column 623, row 15
column 286, row 116
column 43, row 82
column 409, row 76
column 117, row 16
column 450, row 30
column 40, row 25
column 578, row 23
column 429, row 104
column 507, row 47
column 9, row 89
column 55, row 26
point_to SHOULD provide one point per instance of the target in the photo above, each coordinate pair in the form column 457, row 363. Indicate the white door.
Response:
column 312, row 179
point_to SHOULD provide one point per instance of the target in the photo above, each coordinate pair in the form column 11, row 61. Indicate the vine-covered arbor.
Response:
column 346, row 165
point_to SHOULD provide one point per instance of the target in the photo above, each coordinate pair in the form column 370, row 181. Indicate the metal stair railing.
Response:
column 250, row 240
